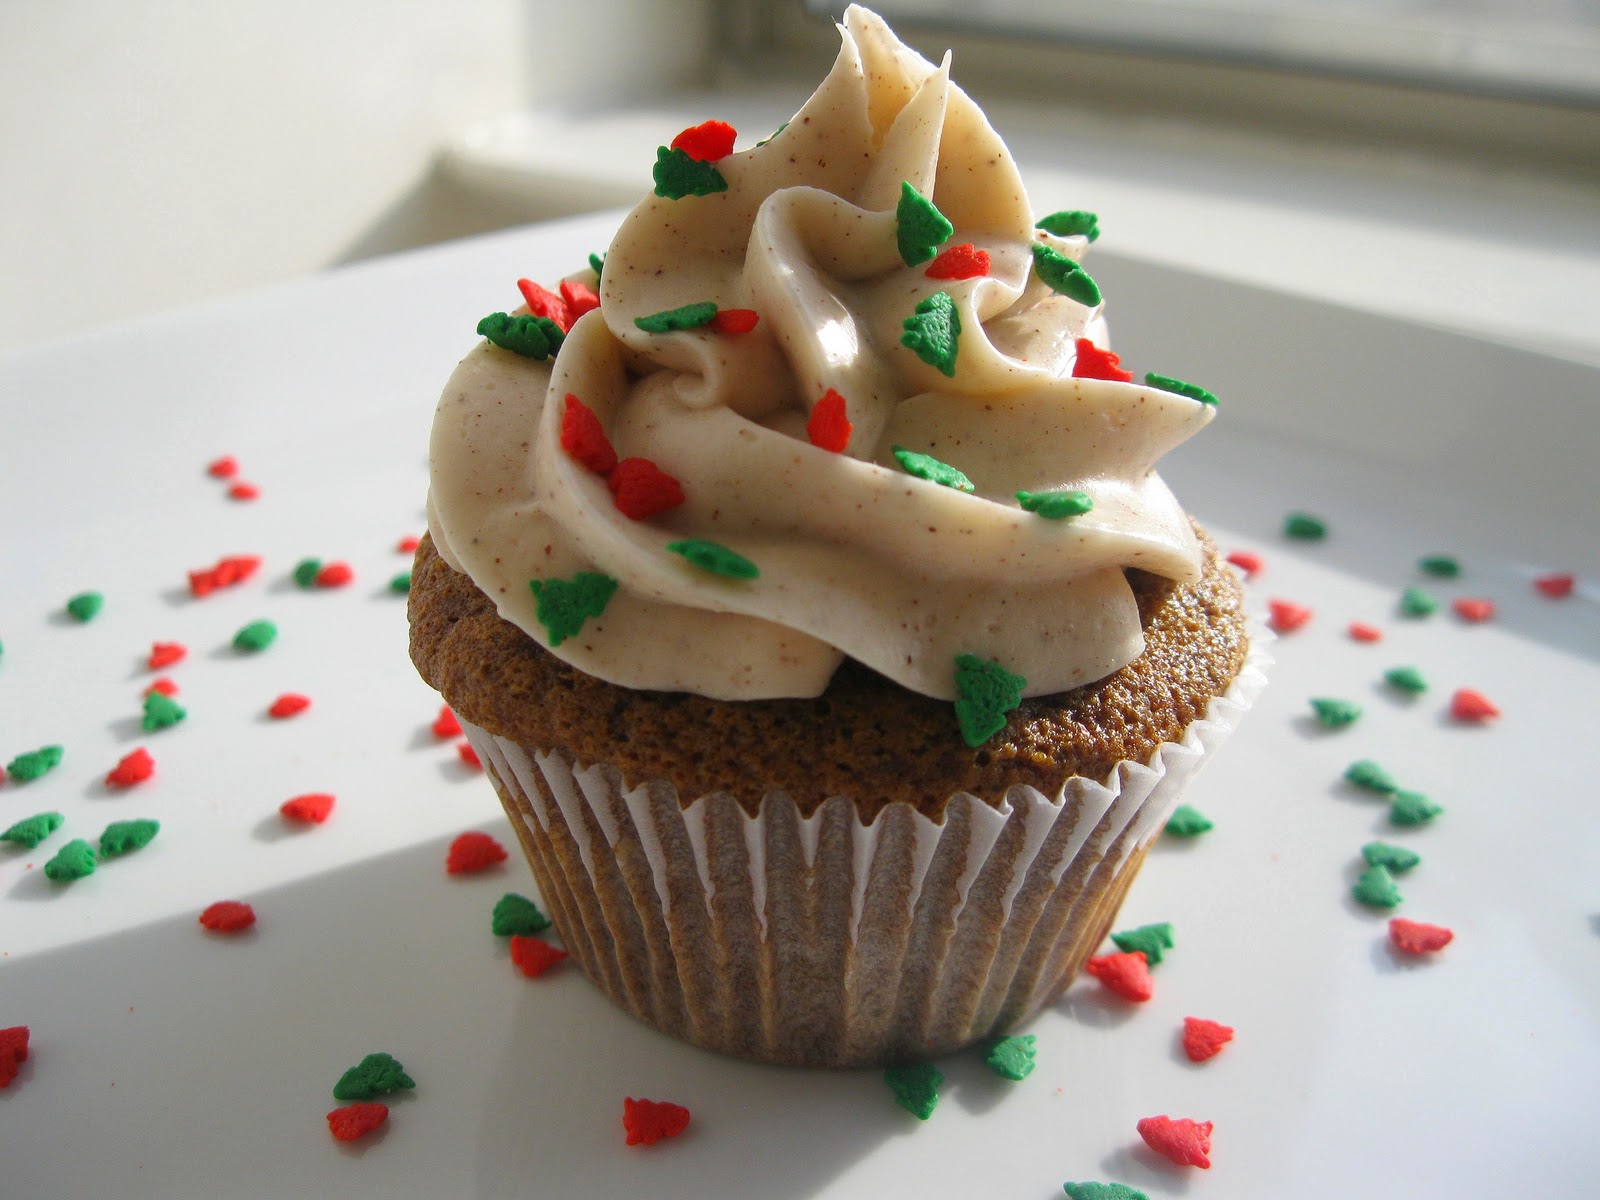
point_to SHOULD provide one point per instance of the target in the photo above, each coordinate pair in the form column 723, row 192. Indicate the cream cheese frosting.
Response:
column 856, row 556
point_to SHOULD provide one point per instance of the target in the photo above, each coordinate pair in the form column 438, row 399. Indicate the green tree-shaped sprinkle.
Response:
column 677, row 175
column 563, row 605
column 919, row 228
column 933, row 332
column 915, row 1088
column 985, row 693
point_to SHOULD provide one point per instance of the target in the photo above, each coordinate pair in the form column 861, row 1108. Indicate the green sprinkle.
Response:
column 687, row 316
column 985, row 692
column 1407, row 679
column 1102, row 1191
column 374, row 1075
column 401, row 583
column 1335, row 714
column 597, row 264
column 161, row 712
column 1414, row 602
column 1064, row 276
column 1442, row 566
column 718, row 559
column 774, row 134
column 257, row 635
column 925, row 466
column 1376, row 888
column 933, row 332
column 1397, row 860
column 72, row 861
column 305, row 572
column 85, row 605
column 919, row 228
column 1071, row 222
column 1056, row 505
column 1154, row 940
column 531, row 337
column 677, row 175
column 915, row 1088
column 122, row 836
column 562, row 605
column 1167, row 383
column 30, row 831
column 1368, row 774
column 1187, row 821
column 1412, row 808
column 516, row 915
column 1012, row 1057
column 1304, row 527
column 27, row 767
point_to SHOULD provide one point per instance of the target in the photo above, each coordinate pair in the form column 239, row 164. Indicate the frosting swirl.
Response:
column 856, row 556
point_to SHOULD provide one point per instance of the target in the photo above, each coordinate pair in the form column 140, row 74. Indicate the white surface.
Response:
column 170, row 1063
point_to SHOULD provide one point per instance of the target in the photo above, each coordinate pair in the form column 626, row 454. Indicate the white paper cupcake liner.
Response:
column 821, row 940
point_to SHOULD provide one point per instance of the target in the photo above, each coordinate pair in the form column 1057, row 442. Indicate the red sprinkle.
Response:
column 1473, row 609
column 1362, row 632
column 164, row 654
column 1557, row 587
column 225, row 467
column 446, row 725
column 13, row 1052
column 334, row 574
column 1413, row 937
column 310, row 809
column 1202, row 1039
column 542, row 302
column 228, row 916
column 357, row 1120
column 642, row 489
column 734, row 320
column 227, row 572
column 408, row 544
column 134, row 767
column 288, row 704
column 829, row 427
column 1286, row 616
column 473, row 852
column 1185, row 1142
column 1095, row 363
column 534, row 956
column 469, row 756
column 646, row 1122
column 965, row 261
column 1468, row 705
column 583, row 438
column 243, row 491
column 236, row 569
column 1127, row 974
column 580, row 297
column 1247, row 561
column 707, row 141
column 163, row 685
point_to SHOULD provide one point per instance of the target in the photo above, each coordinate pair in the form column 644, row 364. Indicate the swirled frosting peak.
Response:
column 859, row 542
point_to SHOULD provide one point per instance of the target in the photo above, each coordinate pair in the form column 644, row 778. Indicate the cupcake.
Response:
column 812, row 601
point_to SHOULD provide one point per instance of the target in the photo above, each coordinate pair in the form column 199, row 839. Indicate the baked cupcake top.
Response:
column 841, row 397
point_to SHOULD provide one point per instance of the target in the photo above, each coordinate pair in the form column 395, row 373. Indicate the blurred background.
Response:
column 1439, row 161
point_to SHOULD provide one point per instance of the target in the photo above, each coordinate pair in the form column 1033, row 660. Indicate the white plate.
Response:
column 167, row 1062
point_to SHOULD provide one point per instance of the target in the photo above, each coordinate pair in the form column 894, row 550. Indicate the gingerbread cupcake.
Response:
column 812, row 601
